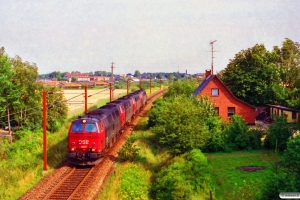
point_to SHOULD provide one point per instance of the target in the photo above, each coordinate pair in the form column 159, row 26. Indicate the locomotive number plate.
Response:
column 83, row 142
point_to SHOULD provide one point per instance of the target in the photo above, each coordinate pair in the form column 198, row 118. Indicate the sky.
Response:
column 144, row 35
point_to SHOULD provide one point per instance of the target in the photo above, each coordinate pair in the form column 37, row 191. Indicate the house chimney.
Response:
column 207, row 73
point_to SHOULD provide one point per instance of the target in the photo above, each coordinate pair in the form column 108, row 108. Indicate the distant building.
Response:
column 129, row 75
column 226, row 103
column 79, row 76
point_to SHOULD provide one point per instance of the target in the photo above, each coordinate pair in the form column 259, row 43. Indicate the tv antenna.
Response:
column 212, row 56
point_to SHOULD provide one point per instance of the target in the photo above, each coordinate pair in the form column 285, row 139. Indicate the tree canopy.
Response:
column 258, row 76
column 21, row 94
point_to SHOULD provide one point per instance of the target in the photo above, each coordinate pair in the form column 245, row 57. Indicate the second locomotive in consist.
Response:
column 96, row 131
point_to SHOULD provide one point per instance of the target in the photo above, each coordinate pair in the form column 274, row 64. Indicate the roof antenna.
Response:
column 212, row 57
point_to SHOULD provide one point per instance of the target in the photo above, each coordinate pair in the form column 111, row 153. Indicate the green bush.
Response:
column 285, row 177
column 155, row 115
column 134, row 182
column 183, row 123
column 235, row 133
column 216, row 142
column 291, row 156
column 278, row 135
column 129, row 150
column 185, row 177
column 181, row 87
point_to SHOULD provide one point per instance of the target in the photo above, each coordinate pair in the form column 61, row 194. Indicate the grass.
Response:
column 229, row 182
column 139, row 171
column 232, row 183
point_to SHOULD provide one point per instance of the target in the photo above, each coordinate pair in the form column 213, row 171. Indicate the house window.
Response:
column 294, row 115
column 214, row 92
column 217, row 110
column 231, row 111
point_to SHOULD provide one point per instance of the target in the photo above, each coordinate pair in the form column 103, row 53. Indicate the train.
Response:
column 92, row 134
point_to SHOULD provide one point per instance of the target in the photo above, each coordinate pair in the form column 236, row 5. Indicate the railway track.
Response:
column 84, row 182
column 70, row 183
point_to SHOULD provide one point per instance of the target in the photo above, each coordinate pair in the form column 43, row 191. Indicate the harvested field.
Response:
column 76, row 98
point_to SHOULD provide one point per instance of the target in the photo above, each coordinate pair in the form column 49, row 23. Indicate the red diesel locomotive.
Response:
column 91, row 134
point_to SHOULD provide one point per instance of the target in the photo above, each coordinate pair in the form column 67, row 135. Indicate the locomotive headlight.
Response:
column 93, row 150
column 72, row 149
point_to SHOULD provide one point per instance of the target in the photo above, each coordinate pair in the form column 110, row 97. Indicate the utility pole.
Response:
column 212, row 57
column 112, row 71
column 112, row 77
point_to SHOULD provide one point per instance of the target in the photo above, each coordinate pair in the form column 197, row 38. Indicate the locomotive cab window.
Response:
column 77, row 127
column 91, row 128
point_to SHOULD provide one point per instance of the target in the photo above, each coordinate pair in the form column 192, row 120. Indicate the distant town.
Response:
column 76, row 79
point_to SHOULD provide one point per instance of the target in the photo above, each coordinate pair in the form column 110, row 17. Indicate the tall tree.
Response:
column 252, row 75
column 289, row 61
column 137, row 74
column 25, row 78
column 10, row 93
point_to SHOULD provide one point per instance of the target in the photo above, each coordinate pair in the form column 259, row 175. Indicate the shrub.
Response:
column 182, row 87
column 183, row 123
column 134, row 182
column 185, row 177
column 278, row 135
column 234, row 132
column 216, row 142
column 129, row 150
column 286, row 177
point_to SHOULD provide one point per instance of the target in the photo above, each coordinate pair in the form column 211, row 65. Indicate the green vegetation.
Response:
column 285, row 175
column 164, row 158
column 166, row 173
column 184, row 177
column 166, row 148
column 258, row 76
column 239, row 136
column 21, row 96
column 237, row 184
column 134, row 182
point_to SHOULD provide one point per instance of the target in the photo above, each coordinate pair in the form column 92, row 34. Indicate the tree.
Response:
column 74, row 79
column 185, row 177
column 57, row 109
column 252, row 75
column 25, row 78
column 91, row 74
column 289, row 61
column 182, row 87
column 137, row 74
column 159, row 76
column 183, row 123
column 285, row 177
column 10, row 92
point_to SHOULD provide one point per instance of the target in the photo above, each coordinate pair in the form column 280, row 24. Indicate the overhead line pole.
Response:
column 112, row 76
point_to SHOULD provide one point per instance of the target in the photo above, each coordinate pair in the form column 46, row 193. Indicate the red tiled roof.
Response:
column 83, row 75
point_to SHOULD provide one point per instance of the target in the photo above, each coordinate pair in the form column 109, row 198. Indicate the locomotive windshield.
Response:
column 77, row 127
column 90, row 128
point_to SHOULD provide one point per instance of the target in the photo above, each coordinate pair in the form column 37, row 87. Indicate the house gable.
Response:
column 226, row 103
